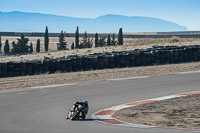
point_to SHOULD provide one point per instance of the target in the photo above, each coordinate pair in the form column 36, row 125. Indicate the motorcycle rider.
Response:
column 84, row 111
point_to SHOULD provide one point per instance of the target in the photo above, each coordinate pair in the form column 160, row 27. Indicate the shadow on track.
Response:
column 86, row 120
column 91, row 119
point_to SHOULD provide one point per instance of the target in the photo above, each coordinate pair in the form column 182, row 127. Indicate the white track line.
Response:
column 165, row 97
column 118, row 107
column 131, row 78
column 150, row 76
column 49, row 86
column 189, row 72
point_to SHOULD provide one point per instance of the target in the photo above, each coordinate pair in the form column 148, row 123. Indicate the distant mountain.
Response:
column 36, row 22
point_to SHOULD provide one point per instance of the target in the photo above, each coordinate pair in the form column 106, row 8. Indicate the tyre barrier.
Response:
column 158, row 55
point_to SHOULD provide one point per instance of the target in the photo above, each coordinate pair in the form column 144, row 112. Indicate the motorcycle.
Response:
column 74, row 113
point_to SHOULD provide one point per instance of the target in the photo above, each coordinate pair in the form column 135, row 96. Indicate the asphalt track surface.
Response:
column 43, row 110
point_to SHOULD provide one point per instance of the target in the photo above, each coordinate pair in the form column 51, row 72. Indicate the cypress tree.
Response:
column 72, row 46
column 6, row 47
column 77, row 38
column 38, row 46
column 113, row 42
column 0, row 44
column 102, row 41
column 14, row 47
column 62, row 44
column 31, row 48
column 108, row 41
column 120, row 37
column 96, row 40
column 84, row 41
column 90, row 43
column 46, row 40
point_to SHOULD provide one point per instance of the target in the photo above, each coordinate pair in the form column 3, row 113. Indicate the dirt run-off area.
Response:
column 129, row 43
column 182, row 112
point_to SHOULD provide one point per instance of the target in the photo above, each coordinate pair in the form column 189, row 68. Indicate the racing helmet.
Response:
column 85, row 101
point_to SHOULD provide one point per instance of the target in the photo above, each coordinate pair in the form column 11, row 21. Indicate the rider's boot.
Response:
column 83, row 117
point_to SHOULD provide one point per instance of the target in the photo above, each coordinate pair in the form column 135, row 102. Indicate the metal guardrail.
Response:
column 184, row 34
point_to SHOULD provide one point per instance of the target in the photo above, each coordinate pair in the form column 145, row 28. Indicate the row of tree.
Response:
column 21, row 46
column 99, row 42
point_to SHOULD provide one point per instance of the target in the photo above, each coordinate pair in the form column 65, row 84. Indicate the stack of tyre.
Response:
column 158, row 55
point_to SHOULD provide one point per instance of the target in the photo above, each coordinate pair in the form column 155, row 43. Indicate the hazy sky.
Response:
column 183, row 12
